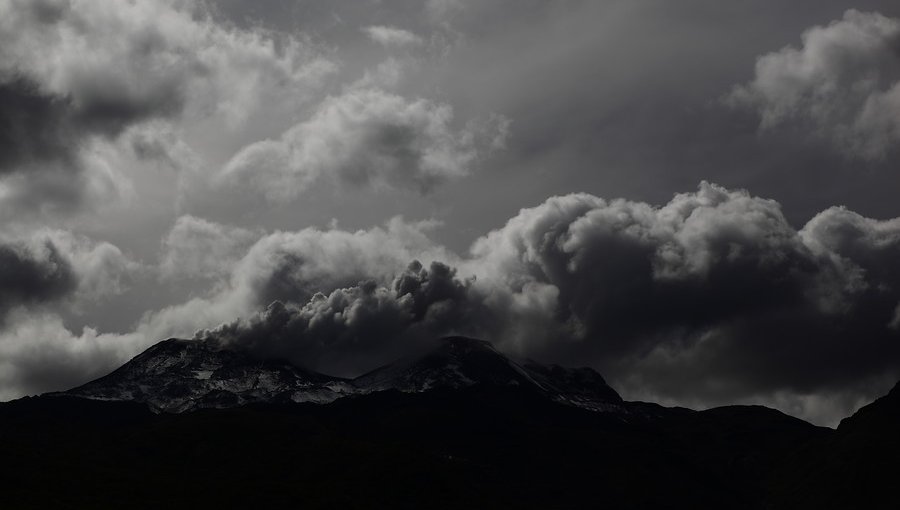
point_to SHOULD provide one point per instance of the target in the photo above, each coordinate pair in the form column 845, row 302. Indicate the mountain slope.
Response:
column 459, row 362
column 472, row 447
column 456, row 362
column 856, row 467
column 454, row 427
column 182, row 375
column 185, row 375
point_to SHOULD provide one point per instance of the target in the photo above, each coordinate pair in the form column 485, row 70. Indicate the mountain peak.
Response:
column 464, row 342
column 459, row 362
column 177, row 375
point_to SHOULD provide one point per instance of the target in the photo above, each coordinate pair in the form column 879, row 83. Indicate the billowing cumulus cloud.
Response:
column 74, row 70
column 49, row 266
column 43, row 275
column 290, row 267
column 366, row 137
column 354, row 328
column 293, row 266
column 843, row 83
column 30, row 275
column 38, row 354
column 713, row 294
column 711, row 298
column 102, row 268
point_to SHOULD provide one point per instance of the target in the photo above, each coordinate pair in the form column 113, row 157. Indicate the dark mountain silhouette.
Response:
column 459, row 426
column 184, row 375
column 857, row 466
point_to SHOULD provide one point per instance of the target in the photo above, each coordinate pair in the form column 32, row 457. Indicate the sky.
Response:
column 695, row 198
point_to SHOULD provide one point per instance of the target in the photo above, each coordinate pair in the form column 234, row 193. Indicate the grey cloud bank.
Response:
column 713, row 297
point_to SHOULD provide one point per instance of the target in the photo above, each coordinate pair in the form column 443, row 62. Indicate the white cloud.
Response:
column 199, row 249
column 97, row 270
column 102, row 268
column 292, row 266
column 82, row 72
column 38, row 353
column 844, row 81
column 149, row 58
column 392, row 36
column 366, row 137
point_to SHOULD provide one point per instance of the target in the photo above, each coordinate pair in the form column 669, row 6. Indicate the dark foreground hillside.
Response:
column 858, row 466
column 460, row 425
column 475, row 448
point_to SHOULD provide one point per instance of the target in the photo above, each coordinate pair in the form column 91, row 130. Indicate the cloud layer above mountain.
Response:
column 713, row 297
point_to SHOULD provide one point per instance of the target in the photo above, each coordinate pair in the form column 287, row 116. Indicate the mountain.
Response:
column 459, row 425
column 184, row 375
column 856, row 467
column 459, row 362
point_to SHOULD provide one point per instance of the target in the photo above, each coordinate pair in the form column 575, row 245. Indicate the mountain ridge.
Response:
column 448, row 441
column 177, row 375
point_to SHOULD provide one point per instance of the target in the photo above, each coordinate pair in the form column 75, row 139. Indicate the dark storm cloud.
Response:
column 42, row 137
column 45, row 276
column 33, row 127
column 45, row 122
column 356, row 328
column 50, row 266
column 713, row 296
column 714, row 291
column 29, row 276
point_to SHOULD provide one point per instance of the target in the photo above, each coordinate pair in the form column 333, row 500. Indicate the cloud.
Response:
column 34, row 126
column 391, row 36
column 293, row 266
column 843, row 82
column 33, row 274
column 366, row 137
column 287, row 266
column 199, row 249
column 103, row 270
column 355, row 328
column 38, row 354
column 43, row 275
column 74, row 71
column 48, row 266
column 711, row 298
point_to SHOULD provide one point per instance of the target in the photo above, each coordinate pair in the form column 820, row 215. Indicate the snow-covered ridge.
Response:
column 182, row 375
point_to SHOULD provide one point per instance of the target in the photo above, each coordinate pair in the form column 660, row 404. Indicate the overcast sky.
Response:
column 696, row 198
